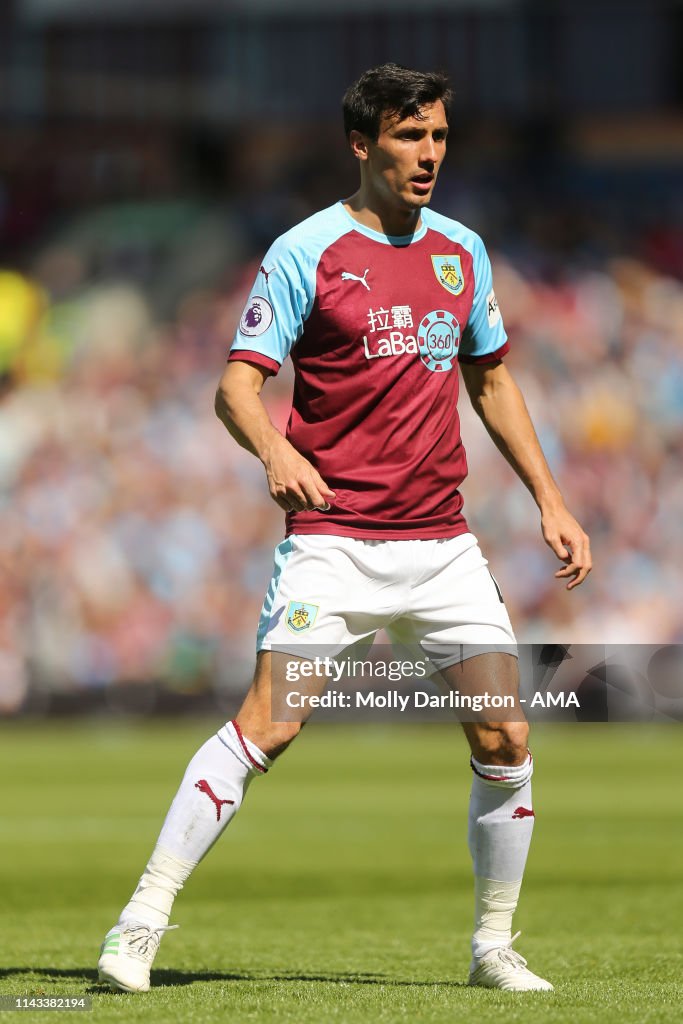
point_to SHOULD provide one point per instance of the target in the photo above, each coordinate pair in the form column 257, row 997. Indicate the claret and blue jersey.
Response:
column 375, row 326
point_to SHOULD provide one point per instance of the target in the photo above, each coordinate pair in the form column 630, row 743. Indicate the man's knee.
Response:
column 270, row 737
column 280, row 735
column 502, row 743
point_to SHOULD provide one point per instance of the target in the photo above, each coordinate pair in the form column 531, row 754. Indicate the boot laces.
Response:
column 510, row 956
column 144, row 939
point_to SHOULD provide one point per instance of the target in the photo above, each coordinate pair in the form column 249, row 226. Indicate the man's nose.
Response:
column 428, row 153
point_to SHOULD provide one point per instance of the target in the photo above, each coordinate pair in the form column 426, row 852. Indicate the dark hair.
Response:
column 392, row 90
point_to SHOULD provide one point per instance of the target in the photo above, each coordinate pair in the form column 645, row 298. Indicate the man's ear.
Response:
column 359, row 144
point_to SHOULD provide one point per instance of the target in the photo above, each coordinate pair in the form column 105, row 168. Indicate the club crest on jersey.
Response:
column 257, row 317
column 438, row 339
column 300, row 616
column 448, row 270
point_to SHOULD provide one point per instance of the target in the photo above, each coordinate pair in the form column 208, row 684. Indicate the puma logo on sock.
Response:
column 523, row 812
column 204, row 787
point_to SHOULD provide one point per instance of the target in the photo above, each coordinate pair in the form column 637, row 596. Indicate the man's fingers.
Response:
column 301, row 501
column 298, row 500
column 290, row 497
column 572, row 546
column 559, row 548
column 305, row 497
column 326, row 493
column 569, row 570
column 296, row 485
column 314, row 498
column 580, row 563
column 282, row 502
column 585, row 564
column 583, row 572
column 289, row 503
column 580, row 546
column 317, row 492
column 575, row 570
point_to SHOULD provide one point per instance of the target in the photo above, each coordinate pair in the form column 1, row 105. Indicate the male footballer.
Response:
column 376, row 300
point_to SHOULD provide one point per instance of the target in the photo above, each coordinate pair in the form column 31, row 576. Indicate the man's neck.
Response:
column 373, row 214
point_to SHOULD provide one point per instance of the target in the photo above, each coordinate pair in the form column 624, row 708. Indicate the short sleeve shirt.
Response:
column 375, row 326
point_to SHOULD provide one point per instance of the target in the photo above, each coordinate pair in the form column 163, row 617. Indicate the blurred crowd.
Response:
column 136, row 537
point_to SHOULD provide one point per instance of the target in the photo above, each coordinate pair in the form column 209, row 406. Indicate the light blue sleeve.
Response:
column 484, row 336
column 279, row 303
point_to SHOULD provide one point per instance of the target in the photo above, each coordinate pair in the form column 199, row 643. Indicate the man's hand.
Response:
column 563, row 534
column 294, row 483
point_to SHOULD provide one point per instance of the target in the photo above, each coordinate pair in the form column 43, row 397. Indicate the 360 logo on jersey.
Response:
column 438, row 339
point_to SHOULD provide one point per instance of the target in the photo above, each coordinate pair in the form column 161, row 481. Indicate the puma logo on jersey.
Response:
column 523, row 812
column 346, row 276
column 266, row 273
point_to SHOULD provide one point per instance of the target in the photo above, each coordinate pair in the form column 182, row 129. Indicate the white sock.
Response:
column 501, row 821
column 210, row 794
column 161, row 881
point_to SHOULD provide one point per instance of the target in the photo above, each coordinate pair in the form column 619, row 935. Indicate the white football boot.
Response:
column 127, row 955
column 504, row 968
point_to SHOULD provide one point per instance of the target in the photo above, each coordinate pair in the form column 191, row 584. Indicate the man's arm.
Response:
column 501, row 407
column 293, row 482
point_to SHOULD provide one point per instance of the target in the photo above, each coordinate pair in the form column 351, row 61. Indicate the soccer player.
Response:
column 376, row 300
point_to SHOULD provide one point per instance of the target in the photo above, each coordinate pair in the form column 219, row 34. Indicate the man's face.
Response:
column 404, row 161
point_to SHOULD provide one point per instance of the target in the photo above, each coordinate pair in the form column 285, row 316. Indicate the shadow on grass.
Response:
column 168, row 978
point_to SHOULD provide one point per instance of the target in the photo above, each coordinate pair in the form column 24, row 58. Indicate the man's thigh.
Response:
column 456, row 609
column 326, row 594
column 457, row 618
column 491, row 716
column 263, row 717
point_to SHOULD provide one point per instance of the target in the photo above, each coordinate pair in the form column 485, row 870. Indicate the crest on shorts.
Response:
column 300, row 616
column 448, row 270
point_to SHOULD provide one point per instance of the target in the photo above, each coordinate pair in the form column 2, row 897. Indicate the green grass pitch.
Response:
column 342, row 891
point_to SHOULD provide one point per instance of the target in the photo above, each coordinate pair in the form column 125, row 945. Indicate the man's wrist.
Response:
column 549, row 502
column 265, row 450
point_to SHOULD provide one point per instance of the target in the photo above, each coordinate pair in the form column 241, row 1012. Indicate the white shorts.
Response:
column 333, row 592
